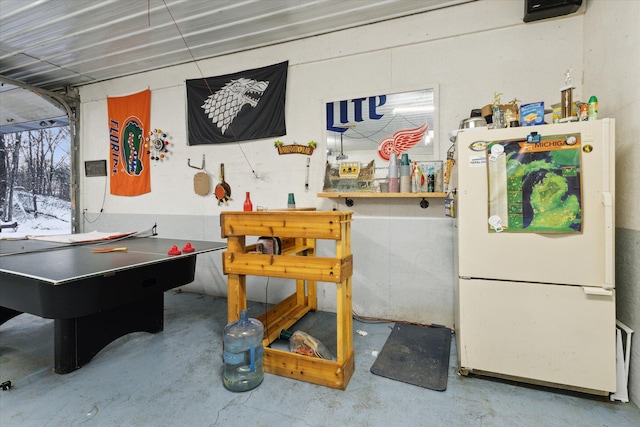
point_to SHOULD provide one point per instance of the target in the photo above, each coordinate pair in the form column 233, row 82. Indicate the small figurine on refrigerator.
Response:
column 511, row 114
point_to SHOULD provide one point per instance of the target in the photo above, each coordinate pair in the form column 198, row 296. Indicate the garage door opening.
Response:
column 35, row 182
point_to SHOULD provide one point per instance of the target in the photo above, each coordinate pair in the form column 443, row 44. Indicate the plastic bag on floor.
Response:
column 302, row 343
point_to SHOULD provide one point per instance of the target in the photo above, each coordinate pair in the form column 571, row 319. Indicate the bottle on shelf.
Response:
column 417, row 178
column 405, row 173
column 431, row 180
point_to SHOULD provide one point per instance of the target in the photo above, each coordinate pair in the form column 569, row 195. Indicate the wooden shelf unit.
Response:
column 348, row 197
column 371, row 195
column 299, row 231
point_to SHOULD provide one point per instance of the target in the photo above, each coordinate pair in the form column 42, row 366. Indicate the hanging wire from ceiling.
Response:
column 195, row 62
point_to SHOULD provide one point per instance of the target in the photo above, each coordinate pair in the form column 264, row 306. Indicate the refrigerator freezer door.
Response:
column 584, row 259
column 538, row 333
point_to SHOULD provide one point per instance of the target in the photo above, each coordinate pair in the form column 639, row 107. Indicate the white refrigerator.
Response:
column 534, row 227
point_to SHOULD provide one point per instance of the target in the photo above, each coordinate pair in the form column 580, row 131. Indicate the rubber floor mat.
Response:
column 417, row 355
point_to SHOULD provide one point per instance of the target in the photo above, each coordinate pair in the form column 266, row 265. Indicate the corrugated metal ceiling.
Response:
column 56, row 44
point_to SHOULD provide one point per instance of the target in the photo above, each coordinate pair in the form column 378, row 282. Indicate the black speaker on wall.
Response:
column 535, row 10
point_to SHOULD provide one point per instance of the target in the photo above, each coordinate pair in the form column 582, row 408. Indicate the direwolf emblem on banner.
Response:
column 223, row 106
column 241, row 106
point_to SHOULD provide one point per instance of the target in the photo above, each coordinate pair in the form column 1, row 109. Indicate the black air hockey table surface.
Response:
column 94, row 298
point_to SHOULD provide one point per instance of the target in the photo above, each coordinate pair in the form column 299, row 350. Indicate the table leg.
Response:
column 7, row 314
column 79, row 339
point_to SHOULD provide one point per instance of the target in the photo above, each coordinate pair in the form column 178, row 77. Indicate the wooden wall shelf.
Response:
column 356, row 195
column 299, row 231
column 424, row 203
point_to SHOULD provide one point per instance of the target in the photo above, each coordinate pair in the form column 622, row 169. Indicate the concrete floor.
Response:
column 174, row 378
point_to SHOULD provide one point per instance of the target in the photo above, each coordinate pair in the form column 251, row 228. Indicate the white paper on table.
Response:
column 93, row 236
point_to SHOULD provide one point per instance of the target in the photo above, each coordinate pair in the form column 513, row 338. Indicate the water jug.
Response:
column 243, row 369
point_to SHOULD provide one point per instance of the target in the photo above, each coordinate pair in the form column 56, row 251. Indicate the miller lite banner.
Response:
column 391, row 123
column 237, row 107
column 129, row 164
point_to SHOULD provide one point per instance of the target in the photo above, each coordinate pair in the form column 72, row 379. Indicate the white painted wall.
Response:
column 612, row 68
column 612, row 58
column 402, row 253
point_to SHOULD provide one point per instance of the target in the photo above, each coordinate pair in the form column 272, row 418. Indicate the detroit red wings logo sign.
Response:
column 224, row 106
column 401, row 141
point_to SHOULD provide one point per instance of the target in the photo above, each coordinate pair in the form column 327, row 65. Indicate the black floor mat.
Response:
column 417, row 355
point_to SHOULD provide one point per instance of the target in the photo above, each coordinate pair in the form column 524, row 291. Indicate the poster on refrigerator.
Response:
column 535, row 185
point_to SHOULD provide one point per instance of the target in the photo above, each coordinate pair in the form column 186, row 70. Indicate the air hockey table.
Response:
column 94, row 297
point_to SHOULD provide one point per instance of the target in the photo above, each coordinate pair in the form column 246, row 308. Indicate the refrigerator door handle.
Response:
column 594, row 290
column 607, row 201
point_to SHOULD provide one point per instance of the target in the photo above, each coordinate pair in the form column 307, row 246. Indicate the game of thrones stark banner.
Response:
column 237, row 107
column 129, row 118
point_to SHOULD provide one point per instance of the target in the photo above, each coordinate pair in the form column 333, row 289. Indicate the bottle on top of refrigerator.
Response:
column 592, row 111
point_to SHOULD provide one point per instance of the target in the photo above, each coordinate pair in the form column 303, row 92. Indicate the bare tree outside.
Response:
column 35, row 176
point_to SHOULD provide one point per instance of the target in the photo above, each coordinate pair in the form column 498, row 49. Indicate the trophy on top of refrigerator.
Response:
column 566, row 99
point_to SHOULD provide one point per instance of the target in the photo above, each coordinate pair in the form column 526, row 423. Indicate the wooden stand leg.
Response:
column 344, row 320
column 237, row 296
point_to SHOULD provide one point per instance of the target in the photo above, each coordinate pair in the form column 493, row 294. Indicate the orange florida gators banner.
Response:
column 129, row 118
